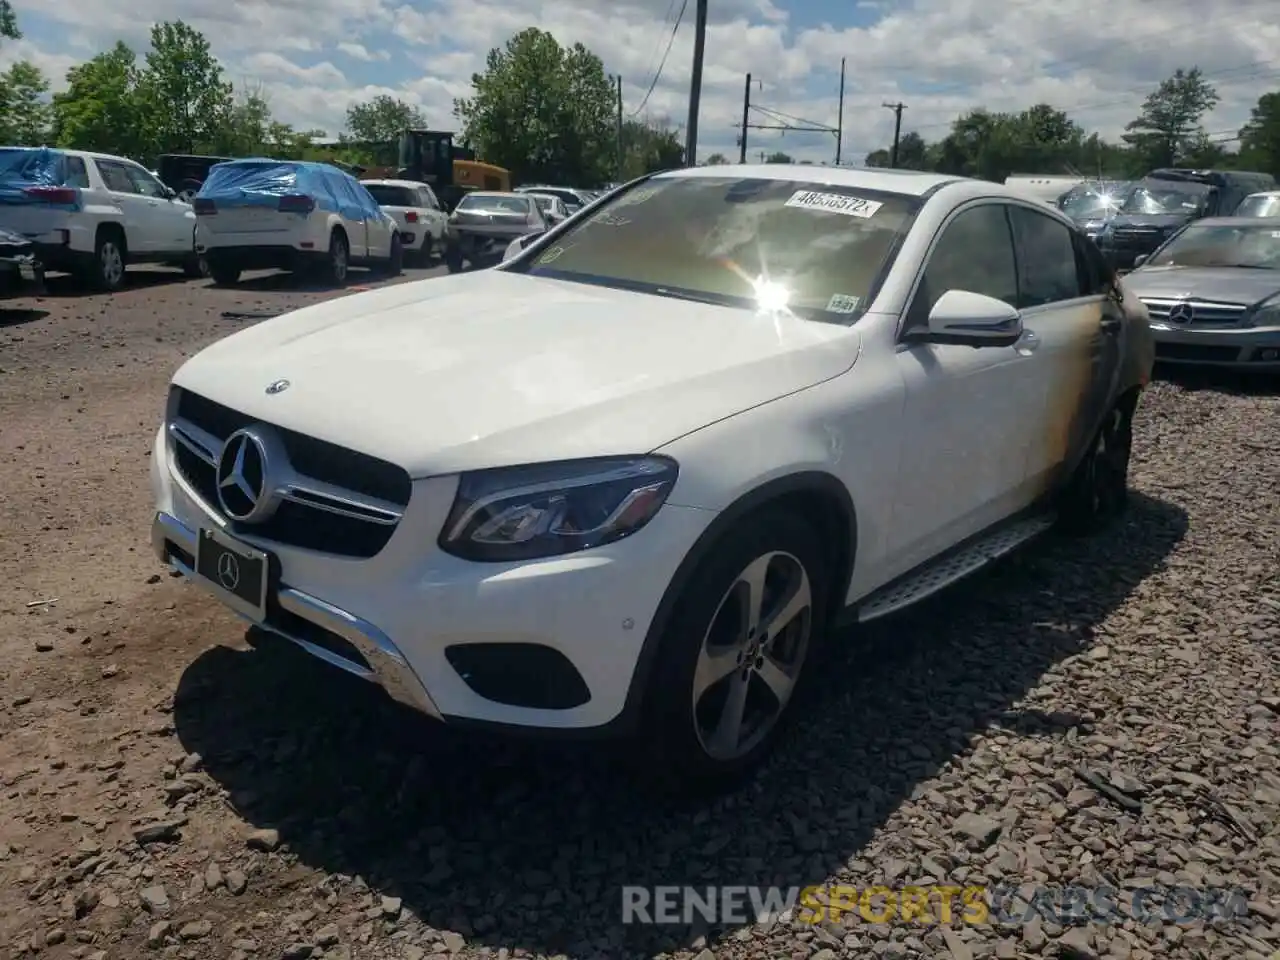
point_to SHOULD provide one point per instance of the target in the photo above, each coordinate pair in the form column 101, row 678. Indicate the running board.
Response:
column 951, row 567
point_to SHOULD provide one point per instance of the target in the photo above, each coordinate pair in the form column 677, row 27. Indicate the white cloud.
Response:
column 1096, row 59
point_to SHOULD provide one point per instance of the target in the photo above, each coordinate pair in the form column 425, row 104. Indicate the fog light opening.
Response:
column 1267, row 356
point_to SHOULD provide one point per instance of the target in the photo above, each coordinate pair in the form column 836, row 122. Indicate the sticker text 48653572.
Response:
column 834, row 203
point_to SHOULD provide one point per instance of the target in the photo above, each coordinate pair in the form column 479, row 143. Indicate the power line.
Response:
column 657, row 42
column 662, row 64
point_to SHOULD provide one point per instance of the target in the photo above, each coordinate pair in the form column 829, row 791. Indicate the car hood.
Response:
column 1220, row 284
column 495, row 368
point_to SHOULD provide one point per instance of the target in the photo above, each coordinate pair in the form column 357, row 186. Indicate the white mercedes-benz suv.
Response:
column 627, row 480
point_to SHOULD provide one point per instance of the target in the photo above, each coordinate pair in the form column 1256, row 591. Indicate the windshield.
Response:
column 1095, row 202
column 1222, row 246
column 1153, row 197
column 1261, row 205
column 481, row 203
column 814, row 249
column 391, row 196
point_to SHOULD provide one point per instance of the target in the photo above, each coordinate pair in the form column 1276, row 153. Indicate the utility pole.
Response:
column 695, row 85
column 619, row 173
column 839, row 115
column 897, row 109
column 746, row 120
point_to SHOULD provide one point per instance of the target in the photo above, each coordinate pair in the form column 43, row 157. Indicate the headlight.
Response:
column 544, row 510
column 1267, row 316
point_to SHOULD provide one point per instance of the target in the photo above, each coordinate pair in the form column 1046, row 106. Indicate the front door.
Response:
column 140, row 220
column 972, row 412
column 1068, row 299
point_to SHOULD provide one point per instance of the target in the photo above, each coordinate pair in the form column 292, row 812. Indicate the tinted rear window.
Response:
column 389, row 196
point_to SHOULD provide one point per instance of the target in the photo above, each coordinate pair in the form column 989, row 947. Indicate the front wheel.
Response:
column 1098, row 492
column 735, row 654
column 453, row 259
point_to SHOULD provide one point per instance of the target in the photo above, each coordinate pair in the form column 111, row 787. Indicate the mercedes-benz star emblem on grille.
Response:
column 1182, row 313
column 277, row 386
column 229, row 571
column 243, row 484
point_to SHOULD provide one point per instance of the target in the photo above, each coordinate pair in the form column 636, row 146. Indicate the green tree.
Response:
column 101, row 109
column 716, row 160
column 185, row 101
column 382, row 119
column 24, row 110
column 779, row 157
column 543, row 111
column 649, row 146
column 1260, row 137
column 1168, row 127
column 9, row 22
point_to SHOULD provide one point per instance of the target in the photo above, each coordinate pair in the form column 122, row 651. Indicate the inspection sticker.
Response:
column 843, row 303
column 834, row 203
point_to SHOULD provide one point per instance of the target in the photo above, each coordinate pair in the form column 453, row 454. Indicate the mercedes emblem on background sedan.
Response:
column 277, row 386
column 1182, row 313
column 243, row 484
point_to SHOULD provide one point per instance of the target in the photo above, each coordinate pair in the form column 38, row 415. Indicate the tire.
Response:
column 682, row 752
column 338, row 263
column 424, row 252
column 110, row 259
column 1098, row 492
column 453, row 259
column 395, row 262
column 224, row 275
column 196, row 268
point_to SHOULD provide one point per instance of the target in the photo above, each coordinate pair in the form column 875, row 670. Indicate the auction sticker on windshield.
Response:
column 842, row 303
column 834, row 203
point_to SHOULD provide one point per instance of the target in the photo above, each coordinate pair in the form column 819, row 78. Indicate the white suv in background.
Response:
column 93, row 214
column 291, row 215
column 415, row 207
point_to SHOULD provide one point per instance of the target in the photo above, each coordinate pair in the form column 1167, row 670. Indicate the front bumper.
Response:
column 412, row 612
column 1257, row 349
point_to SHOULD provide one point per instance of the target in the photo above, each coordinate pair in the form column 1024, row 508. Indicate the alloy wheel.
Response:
column 752, row 655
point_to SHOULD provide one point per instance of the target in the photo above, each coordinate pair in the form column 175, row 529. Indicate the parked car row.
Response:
column 93, row 214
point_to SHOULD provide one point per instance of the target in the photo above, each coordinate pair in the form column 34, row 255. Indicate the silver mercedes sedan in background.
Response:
column 1213, row 292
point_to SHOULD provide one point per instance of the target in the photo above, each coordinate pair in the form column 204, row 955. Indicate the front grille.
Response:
column 1206, row 313
column 344, row 502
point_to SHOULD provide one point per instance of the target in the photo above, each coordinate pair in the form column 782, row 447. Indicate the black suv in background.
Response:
column 1165, row 200
column 184, row 173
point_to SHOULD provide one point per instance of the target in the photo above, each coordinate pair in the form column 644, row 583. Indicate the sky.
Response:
column 1097, row 59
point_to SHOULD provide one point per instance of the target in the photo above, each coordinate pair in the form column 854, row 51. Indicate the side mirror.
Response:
column 964, row 318
column 171, row 193
column 1140, row 259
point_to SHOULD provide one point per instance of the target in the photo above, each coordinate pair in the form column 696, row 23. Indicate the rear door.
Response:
column 174, row 224
column 352, row 212
column 143, row 224
column 1069, row 302
column 435, row 216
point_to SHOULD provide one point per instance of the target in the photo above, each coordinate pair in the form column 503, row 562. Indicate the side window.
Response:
column 116, row 177
column 1096, row 278
column 77, row 174
column 974, row 253
column 146, row 184
column 1047, row 270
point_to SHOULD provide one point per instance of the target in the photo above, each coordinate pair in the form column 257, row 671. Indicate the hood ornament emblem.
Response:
column 1182, row 313
column 277, row 386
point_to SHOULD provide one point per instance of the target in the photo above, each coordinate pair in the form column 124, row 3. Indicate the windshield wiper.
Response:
column 1249, row 266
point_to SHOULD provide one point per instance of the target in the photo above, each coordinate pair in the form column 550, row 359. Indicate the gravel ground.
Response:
column 168, row 787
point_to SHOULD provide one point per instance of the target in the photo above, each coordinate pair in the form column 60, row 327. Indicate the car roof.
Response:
column 1265, row 193
column 384, row 182
column 1272, row 222
column 494, row 193
column 909, row 182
